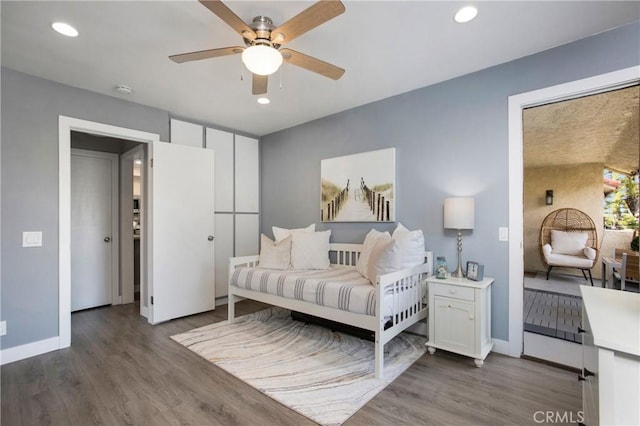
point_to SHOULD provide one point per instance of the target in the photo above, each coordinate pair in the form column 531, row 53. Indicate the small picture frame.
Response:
column 475, row 271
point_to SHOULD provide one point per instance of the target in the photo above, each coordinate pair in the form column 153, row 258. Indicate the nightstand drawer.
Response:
column 454, row 291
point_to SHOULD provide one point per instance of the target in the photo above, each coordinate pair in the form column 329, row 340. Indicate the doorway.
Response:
column 94, row 229
column 67, row 125
column 596, row 84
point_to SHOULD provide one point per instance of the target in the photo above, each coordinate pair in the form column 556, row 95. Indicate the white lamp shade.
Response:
column 262, row 60
column 459, row 213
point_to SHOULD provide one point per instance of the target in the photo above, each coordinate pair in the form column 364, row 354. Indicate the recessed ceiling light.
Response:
column 138, row 161
column 64, row 29
column 465, row 14
column 263, row 101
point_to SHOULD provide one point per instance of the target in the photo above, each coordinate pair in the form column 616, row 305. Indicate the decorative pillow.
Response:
column 385, row 257
column 411, row 246
column 589, row 253
column 281, row 233
column 546, row 249
column 310, row 250
column 362, row 264
column 572, row 243
column 275, row 255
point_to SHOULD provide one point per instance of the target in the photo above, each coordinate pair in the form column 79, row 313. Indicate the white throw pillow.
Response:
column 590, row 253
column 281, row 233
column 571, row 243
column 362, row 264
column 310, row 250
column 385, row 257
column 411, row 246
column 275, row 255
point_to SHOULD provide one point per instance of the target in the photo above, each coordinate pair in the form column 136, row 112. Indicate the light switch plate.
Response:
column 3, row 328
column 32, row 239
column 503, row 234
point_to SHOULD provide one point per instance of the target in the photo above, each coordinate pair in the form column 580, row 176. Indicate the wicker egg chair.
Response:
column 570, row 220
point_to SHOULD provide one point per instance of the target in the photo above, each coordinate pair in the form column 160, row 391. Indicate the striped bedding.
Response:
column 338, row 287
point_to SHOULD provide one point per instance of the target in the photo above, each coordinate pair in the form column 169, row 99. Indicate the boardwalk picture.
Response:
column 359, row 187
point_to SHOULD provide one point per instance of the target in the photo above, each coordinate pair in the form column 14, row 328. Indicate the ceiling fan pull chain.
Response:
column 280, row 76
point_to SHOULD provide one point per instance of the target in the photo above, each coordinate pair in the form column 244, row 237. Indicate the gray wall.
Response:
column 451, row 139
column 30, row 109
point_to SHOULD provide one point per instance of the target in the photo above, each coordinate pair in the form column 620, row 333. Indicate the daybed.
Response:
column 339, row 293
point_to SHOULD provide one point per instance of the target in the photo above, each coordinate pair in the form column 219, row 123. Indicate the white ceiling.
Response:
column 387, row 48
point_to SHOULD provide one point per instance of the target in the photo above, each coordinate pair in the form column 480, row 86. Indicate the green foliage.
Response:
column 621, row 205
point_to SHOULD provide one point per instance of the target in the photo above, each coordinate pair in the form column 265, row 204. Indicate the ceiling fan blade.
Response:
column 260, row 84
column 312, row 64
column 206, row 54
column 308, row 19
column 227, row 15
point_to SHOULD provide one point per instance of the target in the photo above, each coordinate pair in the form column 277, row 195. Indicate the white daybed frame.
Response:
column 347, row 254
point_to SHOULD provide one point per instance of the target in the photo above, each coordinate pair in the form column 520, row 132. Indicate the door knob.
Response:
column 107, row 239
column 210, row 238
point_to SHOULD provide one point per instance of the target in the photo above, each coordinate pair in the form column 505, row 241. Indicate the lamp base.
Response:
column 459, row 273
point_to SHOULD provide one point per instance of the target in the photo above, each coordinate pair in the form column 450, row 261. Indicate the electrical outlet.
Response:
column 3, row 328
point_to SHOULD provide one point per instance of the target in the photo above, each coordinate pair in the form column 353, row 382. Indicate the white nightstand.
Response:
column 460, row 317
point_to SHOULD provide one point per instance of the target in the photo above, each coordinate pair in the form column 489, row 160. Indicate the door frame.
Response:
column 116, row 299
column 588, row 86
column 65, row 126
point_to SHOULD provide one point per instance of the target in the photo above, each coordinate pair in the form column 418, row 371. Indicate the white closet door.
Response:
column 183, row 133
column 222, row 143
column 224, row 250
column 247, row 234
column 247, row 175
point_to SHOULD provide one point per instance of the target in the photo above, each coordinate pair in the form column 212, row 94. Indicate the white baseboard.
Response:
column 18, row 353
column 502, row 347
column 222, row 301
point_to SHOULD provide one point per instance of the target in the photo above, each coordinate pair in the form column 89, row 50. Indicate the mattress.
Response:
column 338, row 287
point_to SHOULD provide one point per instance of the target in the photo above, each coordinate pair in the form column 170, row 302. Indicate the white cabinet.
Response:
column 183, row 133
column 460, row 317
column 237, row 195
column 247, row 234
column 247, row 173
column 610, row 356
column 222, row 143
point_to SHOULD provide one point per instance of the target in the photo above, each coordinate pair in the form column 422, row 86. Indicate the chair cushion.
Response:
column 569, row 261
column 572, row 243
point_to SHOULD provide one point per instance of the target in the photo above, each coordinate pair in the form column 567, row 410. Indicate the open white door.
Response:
column 181, row 227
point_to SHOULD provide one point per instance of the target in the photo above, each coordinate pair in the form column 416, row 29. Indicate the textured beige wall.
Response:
column 575, row 186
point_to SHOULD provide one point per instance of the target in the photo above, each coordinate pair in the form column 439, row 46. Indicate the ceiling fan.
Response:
column 262, row 53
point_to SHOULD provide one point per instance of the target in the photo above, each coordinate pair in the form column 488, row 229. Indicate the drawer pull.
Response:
column 581, row 330
column 452, row 291
column 581, row 378
column 587, row 373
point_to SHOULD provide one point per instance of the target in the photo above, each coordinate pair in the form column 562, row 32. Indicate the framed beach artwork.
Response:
column 359, row 187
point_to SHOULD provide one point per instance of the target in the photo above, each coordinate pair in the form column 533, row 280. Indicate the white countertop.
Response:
column 614, row 316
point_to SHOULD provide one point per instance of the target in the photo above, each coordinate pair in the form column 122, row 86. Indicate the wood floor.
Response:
column 122, row 371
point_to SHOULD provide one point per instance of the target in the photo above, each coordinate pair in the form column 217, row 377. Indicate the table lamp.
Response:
column 459, row 213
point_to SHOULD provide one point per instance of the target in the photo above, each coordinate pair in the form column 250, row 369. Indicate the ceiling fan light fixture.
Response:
column 261, row 59
column 466, row 14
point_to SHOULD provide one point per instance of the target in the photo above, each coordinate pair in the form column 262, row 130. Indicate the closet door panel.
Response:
column 223, row 250
column 247, row 234
column 222, row 143
column 183, row 133
column 247, row 175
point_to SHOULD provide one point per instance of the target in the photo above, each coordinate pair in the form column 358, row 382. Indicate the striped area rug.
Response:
column 323, row 375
